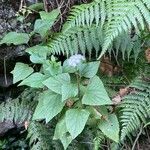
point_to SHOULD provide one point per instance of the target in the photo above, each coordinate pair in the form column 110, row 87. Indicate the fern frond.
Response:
column 134, row 108
column 40, row 136
column 87, row 14
column 98, row 140
column 123, row 15
column 17, row 110
column 77, row 40
column 85, row 39
column 127, row 45
column 114, row 17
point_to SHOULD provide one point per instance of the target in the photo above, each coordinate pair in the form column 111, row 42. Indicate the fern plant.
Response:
column 85, row 39
column 18, row 110
column 111, row 17
column 134, row 108
column 15, row 112
column 40, row 136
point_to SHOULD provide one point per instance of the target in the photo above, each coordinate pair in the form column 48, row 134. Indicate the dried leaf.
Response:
column 147, row 55
column 123, row 91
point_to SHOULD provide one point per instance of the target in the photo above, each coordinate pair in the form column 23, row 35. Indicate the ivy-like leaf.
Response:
column 55, row 83
column 49, row 106
column 38, row 53
column 15, row 38
column 21, row 71
column 42, row 25
column 110, row 127
column 66, row 140
column 95, row 93
column 52, row 68
column 35, row 80
column 76, row 120
column 89, row 70
column 50, row 16
column 69, row 91
column 61, row 133
column 60, row 129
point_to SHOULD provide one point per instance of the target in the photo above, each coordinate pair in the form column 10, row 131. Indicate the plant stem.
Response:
column 134, row 144
column 78, row 83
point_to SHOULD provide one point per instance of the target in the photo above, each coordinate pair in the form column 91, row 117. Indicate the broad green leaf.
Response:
column 61, row 133
column 110, row 127
column 89, row 70
column 34, row 80
column 67, row 68
column 37, row 6
column 15, row 38
column 38, row 53
column 76, row 120
column 21, row 71
column 49, row 106
column 95, row 93
column 66, row 140
column 55, row 83
column 103, row 110
column 52, row 68
column 42, row 27
column 60, row 129
column 69, row 91
column 50, row 16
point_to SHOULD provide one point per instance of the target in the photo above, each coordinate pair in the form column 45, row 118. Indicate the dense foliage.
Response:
column 73, row 98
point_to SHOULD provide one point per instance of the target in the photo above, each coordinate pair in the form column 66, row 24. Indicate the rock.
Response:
column 8, row 23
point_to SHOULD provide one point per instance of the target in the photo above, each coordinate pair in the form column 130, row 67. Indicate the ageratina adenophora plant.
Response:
column 72, row 92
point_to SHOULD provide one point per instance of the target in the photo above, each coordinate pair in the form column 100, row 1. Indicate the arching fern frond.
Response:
column 87, row 14
column 98, row 140
column 17, row 110
column 122, row 16
column 85, row 39
column 40, row 137
column 115, row 16
column 134, row 108
column 77, row 40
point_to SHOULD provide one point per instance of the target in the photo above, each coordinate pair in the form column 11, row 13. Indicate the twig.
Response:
column 140, row 132
column 45, row 5
column 5, row 75
column 147, row 134
column 21, row 4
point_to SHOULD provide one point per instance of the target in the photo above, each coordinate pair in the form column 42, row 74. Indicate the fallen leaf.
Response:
column 147, row 55
column 123, row 91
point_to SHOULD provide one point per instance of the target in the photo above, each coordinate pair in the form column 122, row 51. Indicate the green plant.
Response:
column 18, row 110
column 40, row 136
column 74, row 90
column 101, row 25
column 134, row 109
column 111, row 20
column 71, row 91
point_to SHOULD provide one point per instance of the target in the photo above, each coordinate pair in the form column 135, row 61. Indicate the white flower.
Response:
column 75, row 60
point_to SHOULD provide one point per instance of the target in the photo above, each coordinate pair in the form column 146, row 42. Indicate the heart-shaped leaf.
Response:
column 95, row 93
column 76, row 120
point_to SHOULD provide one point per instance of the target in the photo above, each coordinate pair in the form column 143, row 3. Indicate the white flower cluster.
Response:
column 74, row 60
